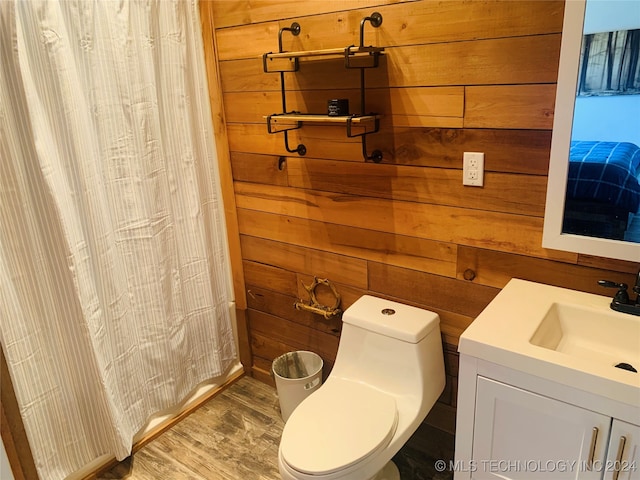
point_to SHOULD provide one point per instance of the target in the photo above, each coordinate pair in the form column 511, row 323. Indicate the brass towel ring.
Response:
column 313, row 305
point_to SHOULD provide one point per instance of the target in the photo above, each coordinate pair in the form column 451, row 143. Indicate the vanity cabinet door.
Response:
column 623, row 458
column 522, row 435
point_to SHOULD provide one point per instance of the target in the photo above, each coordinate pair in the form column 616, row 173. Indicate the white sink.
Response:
column 569, row 337
column 590, row 334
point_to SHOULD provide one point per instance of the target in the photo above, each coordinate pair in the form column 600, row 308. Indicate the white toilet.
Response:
column 388, row 373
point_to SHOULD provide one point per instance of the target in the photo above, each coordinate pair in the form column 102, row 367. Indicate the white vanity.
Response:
column 539, row 396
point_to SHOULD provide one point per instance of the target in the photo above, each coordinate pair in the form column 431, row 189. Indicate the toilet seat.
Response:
column 341, row 424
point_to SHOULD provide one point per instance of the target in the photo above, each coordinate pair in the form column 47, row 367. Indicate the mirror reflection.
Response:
column 603, row 181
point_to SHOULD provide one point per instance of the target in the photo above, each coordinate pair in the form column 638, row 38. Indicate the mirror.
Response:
column 576, row 219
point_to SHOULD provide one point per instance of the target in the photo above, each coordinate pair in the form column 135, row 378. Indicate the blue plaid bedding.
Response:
column 606, row 172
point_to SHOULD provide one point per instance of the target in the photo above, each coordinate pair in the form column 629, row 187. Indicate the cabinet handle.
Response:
column 617, row 467
column 592, row 448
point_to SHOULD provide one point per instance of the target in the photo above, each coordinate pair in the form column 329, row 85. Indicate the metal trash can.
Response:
column 297, row 375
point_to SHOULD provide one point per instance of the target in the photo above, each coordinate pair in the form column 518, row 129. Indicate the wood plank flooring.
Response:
column 235, row 436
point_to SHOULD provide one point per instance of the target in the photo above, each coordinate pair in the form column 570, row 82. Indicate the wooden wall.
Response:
column 456, row 76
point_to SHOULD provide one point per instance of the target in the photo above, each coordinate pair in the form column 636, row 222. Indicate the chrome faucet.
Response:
column 621, row 301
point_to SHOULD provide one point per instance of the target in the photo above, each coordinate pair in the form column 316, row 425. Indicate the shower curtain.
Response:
column 114, row 283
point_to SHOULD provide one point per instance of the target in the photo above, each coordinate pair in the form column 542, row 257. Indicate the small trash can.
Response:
column 297, row 375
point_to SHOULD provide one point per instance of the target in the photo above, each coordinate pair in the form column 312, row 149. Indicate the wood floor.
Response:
column 235, row 436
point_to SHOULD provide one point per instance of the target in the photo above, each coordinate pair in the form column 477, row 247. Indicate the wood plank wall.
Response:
column 456, row 76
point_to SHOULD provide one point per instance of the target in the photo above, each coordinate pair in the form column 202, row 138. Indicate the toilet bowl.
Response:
column 388, row 373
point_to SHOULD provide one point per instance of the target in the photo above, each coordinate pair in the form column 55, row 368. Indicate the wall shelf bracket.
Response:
column 376, row 155
column 376, row 21
column 300, row 149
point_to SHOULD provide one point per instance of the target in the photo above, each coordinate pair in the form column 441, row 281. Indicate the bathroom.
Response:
column 455, row 77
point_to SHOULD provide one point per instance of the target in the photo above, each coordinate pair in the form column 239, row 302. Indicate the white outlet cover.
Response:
column 473, row 169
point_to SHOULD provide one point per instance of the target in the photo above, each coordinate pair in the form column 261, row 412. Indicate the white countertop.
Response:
column 502, row 332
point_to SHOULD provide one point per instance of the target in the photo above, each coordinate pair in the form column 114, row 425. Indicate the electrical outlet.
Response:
column 473, row 169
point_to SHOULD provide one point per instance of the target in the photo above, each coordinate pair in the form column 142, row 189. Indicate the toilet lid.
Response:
column 337, row 426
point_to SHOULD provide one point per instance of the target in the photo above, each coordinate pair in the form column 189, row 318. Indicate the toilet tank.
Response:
column 394, row 347
column 391, row 319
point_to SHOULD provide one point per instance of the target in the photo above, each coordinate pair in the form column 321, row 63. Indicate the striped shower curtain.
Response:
column 114, row 283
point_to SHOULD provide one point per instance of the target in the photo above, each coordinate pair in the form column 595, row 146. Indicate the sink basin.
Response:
column 590, row 334
column 569, row 337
